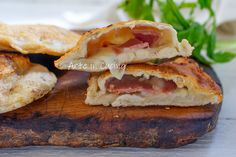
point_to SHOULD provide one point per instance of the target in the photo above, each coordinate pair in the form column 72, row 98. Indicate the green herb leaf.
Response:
column 174, row 9
column 195, row 34
column 222, row 57
column 206, row 4
column 168, row 15
column 197, row 55
column 187, row 5
column 138, row 9
column 211, row 44
column 219, row 57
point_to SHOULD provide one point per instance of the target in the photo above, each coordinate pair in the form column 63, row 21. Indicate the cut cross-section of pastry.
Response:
column 178, row 82
column 22, row 82
column 124, row 43
column 45, row 39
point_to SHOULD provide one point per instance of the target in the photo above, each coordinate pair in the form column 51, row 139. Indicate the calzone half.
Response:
column 22, row 82
column 43, row 39
column 178, row 82
column 124, row 43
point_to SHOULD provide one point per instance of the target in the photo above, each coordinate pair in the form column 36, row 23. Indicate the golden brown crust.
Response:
column 45, row 39
column 13, row 63
column 184, row 68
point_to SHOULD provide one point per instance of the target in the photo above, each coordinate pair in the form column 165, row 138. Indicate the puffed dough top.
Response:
column 45, row 39
column 171, row 47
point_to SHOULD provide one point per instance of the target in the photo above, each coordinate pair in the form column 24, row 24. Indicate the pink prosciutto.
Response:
column 131, row 84
column 148, row 36
column 143, row 39
column 131, row 44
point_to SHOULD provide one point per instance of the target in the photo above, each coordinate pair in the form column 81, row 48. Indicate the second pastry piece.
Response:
column 22, row 82
column 180, row 82
column 37, row 39
column 124, row 43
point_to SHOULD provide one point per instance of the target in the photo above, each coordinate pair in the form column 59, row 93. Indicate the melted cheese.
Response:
column 109, row 57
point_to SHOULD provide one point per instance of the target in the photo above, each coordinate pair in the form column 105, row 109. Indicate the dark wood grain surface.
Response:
column 62, row 118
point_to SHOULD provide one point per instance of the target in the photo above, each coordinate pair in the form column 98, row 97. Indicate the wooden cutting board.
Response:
column 62, row 118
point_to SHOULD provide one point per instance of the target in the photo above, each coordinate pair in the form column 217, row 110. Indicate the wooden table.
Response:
column 220, row 142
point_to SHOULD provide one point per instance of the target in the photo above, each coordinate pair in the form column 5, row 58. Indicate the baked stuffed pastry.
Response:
column 124, row 43
column 22, row 82
column 45, row 39
column 180, row 82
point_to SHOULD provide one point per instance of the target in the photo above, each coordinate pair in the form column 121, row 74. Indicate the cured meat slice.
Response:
column 131, row 84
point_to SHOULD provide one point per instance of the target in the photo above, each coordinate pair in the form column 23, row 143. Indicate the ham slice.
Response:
column 149, row 36
column 142, row 39
column 132, row 44
column 120, row 39
column 131, row 84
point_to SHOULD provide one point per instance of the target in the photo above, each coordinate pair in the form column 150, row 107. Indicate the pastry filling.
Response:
column 139, row 37
column 131, row 84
